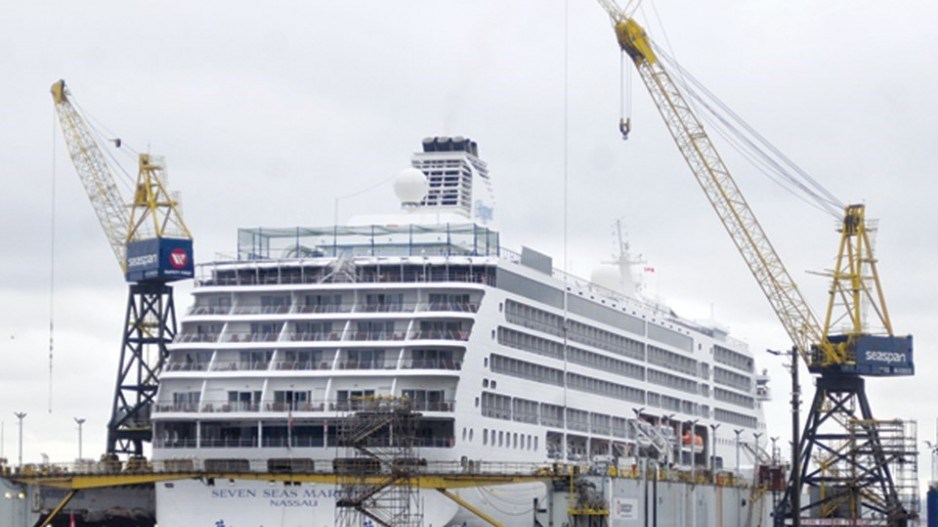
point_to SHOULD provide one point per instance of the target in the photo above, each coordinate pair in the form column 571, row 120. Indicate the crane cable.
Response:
column 752, row 145
column 52, row 265
column 742, row 137
column 128, row 181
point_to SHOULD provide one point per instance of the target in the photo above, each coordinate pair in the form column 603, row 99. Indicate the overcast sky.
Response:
column 267, row 113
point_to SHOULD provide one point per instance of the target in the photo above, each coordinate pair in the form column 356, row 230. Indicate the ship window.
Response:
column 464, row 434
column 485, row 436
column 501, row 437
column 477, row 402
column 486, row 362
column 470, row 433
column 485, row 383
column 535, row 443
column 493, row 385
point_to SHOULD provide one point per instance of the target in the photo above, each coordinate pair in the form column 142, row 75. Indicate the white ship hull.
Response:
column 258, row 504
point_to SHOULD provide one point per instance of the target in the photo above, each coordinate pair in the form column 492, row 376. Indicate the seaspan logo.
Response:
column 141, row 261
column 885, row 356
column 178, row 258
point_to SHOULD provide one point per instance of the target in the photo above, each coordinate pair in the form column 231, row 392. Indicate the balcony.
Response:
column 373, row 364
column 230, row 406
column 315, row 336
column 439, row 334
column 432, row 364
column 459, row 307
column 241, row 366
column 302, row 365
column 197, row 337
column 250, row 337
column 375, row 335
column 187, row 366
column 208, row 310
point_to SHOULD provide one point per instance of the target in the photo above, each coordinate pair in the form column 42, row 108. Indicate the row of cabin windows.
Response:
column 527, row 411
column 513, row 440
column 543, row 374
column 540, row 320
column 732, row 379
column 548, row 348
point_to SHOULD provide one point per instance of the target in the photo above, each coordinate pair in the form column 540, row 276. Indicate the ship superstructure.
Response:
column 505, row 358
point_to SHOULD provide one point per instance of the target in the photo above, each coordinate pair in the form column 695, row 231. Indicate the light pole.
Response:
column 737, row 431
column 80, row 421
column 20, row 416
column 774, row 451
column 670, row 420
column 713, row 448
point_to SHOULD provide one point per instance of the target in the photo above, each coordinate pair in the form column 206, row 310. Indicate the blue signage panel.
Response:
column 885, row 356
column 163, row 259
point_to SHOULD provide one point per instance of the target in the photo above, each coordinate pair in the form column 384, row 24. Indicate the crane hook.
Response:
column 625, row 126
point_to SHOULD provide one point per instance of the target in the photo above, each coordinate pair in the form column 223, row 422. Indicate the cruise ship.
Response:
column 504, row 357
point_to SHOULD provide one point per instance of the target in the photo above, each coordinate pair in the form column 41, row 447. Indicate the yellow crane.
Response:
column 852, row 481
column 153, row 247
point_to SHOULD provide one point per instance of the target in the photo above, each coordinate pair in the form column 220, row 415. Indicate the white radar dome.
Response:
column 410, row 186
column 607, row 276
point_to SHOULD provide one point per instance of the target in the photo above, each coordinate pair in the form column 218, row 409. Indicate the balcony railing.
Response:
column 302, row 365
column 461, row 307
column 222, row 406
column 260, row 310
column 208, row 310
column 314, row 336
column 432, row 364
column 176, row 407
column 323, row 308
column 300, row 336
column 241, row 366
column 376, row 335
column 390, row 307
column 198, row 337
column 439, row 334
column 251, row 337
column 187, row 366
column 352, row 364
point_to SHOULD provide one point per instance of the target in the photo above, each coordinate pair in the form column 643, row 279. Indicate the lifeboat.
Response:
column 697, row 440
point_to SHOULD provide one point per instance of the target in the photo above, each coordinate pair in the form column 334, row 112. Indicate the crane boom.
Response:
column 720, row 188
column 851, row 470
column 153, row 246
column 112, row 211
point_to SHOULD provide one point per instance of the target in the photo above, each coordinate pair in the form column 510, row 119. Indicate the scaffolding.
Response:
column 380, row 464
column 899, row 438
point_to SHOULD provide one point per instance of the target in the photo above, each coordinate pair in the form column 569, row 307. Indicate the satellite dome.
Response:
column 410, row 186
